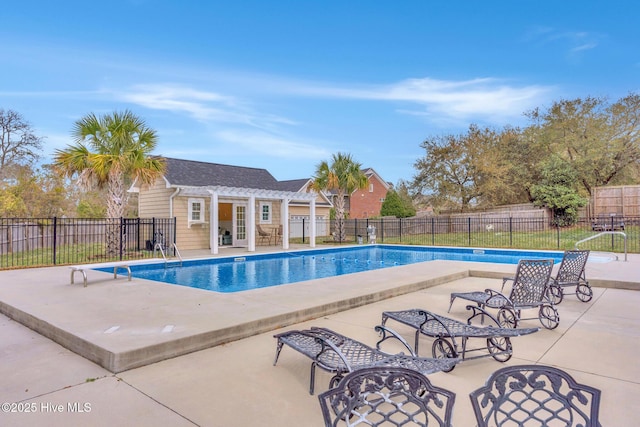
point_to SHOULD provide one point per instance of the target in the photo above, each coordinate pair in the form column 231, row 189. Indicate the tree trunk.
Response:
column 339, row 204
column 116, row 202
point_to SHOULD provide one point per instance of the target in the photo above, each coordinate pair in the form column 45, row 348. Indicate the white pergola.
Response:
column 214, row 193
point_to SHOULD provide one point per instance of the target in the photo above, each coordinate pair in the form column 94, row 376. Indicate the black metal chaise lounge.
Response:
column 339, row 354
column 535, row 395
column 383, row 396
column 530, row 290
column 446, row 331
column 571, row 274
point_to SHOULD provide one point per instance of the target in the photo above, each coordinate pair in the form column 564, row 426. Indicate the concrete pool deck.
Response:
column 157, row 354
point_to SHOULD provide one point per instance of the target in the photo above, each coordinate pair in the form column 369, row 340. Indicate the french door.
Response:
column 240, row 224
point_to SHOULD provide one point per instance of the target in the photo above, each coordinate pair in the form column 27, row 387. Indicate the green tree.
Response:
column 109, row 151
column 11, row 203
column 404, row 193
column 557, row 191
column 600, row 141
column 392, row 205
column 446, row 172
column 343, row 176
column 395, row 205
column 91, row 205
column 510, row 166
column 56, row 199
column 458, row 171
column 34, row 193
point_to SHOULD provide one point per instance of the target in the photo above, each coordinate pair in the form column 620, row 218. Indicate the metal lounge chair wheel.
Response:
column 549, row 316
column 555, row 294
column 443, row 349
column 584, row 292
column 507, row 318
column 500, row 348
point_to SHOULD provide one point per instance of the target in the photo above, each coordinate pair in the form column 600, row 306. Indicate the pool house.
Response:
column 218, row 205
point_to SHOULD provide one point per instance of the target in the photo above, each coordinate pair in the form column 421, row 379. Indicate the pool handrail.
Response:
column 160, row 247
column 602, row 233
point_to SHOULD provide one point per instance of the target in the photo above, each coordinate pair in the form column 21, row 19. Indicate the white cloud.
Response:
column 204, row 106
column 479, row 97
column 441, row 100
column 585, row 46
column 574, row 41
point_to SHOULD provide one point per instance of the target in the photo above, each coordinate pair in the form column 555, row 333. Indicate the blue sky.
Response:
column 282, row 85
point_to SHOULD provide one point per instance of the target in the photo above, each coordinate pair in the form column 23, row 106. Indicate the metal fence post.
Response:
column 153, row 233
column 612, row 236
column 55, row 236
column 469, row 230
column 120, row 237
column 510, row 231
column 355, row 229
column 433, row 233
column 138, row 244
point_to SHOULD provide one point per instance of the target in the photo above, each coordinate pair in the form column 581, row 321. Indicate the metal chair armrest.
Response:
column 384, row 330
column 430, row 317
column 505, row 280
column 479, row 311
column 495, row 295
column 329, row 346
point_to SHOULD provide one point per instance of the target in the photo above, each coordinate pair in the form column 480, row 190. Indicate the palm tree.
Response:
column 344, row 176
column 110, row 150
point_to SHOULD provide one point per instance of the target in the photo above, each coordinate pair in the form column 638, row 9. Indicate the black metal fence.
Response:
column 508, row 232
column 57, row 241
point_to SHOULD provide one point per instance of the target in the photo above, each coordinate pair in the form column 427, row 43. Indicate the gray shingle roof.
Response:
column 293, row 184
column 194, row 173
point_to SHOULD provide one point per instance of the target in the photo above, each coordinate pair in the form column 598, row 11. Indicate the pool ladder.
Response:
column 164, row 256
column 604, row 233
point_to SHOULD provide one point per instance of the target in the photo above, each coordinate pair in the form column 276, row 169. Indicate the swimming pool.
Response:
column 260, row 271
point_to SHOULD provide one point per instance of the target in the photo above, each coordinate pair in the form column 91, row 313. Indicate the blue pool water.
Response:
column 260, row 271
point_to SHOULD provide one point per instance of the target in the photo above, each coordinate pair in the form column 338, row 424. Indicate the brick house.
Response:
column 367, row 203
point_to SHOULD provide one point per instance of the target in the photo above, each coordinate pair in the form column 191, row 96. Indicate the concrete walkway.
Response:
column 158, row 354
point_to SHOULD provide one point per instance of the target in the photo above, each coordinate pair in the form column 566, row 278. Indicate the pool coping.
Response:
column 122, row 325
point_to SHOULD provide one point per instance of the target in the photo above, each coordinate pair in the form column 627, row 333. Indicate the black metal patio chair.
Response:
column 447, row 332
column 388, row 396
column 530, row 290
column 340, row 355
column 571, row 274
column 536, row 396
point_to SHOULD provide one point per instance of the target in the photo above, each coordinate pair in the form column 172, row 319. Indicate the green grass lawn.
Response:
column 552, row 239
column 65, row 255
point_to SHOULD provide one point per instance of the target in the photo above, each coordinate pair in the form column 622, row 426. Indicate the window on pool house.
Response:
column 265, row 212
column 196, row 211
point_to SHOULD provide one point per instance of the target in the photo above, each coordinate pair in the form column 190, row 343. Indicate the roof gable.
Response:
column 371, row 173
